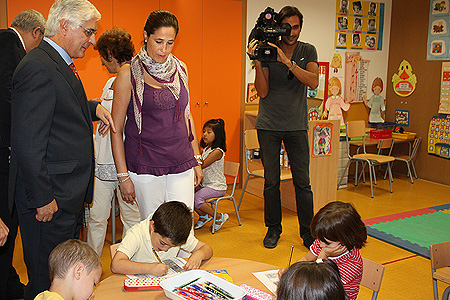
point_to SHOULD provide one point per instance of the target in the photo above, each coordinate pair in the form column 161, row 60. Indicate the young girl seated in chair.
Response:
column 339, row 233
column 214, row 182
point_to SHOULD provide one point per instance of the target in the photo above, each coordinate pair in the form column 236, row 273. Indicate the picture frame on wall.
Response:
column 402, row 117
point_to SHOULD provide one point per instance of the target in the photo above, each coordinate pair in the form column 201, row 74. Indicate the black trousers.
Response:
column 10, row 284
column 297, row 148
column 39, row 239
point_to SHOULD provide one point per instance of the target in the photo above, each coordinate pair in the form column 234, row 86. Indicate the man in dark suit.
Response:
column 26, row 31
column 52, row 155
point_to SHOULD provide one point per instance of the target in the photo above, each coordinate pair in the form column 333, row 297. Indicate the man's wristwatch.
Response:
column 294, row 64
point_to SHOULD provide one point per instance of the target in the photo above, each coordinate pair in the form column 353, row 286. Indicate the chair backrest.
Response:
column 251, row 139
column 415, row 147
column 113, row 249
column 440, row 255
column 372, row 276
column 385, row 144
column 231, row 169
column 356, row 128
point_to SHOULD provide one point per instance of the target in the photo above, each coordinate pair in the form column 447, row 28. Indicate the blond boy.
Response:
column 74, row 270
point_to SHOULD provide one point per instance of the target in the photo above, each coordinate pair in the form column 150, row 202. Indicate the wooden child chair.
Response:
column 440, row 267
column 372, row 276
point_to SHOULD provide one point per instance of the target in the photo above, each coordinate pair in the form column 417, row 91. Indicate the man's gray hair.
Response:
column 28, row 20
column 76, row 12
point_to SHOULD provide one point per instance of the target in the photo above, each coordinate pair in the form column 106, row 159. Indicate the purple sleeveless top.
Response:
column 164, row 144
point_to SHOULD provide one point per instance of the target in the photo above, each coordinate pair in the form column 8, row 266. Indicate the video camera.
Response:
column 268, row 29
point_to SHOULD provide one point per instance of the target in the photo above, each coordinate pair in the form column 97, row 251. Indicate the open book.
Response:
column 176, row 265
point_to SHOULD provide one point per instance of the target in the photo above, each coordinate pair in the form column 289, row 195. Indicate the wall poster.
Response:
column 322, row 135
column 321, row 91
column 438, row 44
column 359, row 25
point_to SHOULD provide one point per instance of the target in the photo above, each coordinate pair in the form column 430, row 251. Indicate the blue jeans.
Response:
column 297, row 148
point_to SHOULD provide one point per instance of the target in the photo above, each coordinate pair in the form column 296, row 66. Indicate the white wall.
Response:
column 319, row 28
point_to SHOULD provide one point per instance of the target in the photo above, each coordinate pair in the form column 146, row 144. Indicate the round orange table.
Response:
column 240, row 271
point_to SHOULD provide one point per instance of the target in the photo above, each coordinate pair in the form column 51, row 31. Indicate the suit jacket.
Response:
column 52, row 154
column 11, row 52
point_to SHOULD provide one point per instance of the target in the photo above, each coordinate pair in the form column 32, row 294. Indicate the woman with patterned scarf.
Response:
column 157, row 161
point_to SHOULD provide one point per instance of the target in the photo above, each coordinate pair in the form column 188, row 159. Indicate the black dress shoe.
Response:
column 271, row 238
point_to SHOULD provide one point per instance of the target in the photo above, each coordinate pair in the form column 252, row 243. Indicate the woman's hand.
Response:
column 198, row 175
column 127, row 191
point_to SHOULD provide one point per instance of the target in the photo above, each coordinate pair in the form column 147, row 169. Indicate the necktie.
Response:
column 72, row 66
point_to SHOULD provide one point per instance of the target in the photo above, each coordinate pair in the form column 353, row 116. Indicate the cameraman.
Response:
column 283, row 117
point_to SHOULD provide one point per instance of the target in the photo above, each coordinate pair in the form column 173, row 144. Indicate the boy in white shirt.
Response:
column 157, row 238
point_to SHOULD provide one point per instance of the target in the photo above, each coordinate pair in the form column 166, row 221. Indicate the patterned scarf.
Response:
column 167, row 73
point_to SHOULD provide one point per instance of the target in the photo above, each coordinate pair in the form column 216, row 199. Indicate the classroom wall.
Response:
column 319, row 30
column 408, row 41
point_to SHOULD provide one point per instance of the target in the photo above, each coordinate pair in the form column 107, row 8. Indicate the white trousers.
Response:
column 152, row 191
column 100, row 212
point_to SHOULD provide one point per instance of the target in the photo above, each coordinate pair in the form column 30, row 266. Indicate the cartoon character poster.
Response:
column 359, row 25
column 322, row 134
column 438, row 34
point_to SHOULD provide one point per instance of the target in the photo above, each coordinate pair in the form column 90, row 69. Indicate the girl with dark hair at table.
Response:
column 315, row 280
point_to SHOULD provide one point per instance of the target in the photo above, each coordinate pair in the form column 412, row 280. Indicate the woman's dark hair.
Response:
column 117, row 43
column 308, row 280
column 289, row 11
column 218, row 127
column 160, row 18
column 339, row 222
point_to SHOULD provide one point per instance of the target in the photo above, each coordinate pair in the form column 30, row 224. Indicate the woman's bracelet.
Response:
column 198, row 157
column 123, row 174
column 123, row 180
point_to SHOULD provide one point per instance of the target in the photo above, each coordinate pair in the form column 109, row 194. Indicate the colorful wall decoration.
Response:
column 438, row 44
column 359, row 25
column 439, row 136
column 404, row 81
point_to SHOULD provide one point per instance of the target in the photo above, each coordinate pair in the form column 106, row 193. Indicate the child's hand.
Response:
column 160, row 269
column 193, row 263
column 332, row 251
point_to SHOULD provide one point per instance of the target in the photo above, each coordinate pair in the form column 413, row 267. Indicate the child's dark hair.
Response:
column 218, row 127
column 339, row 222
column 173, row 220
column 309, row 280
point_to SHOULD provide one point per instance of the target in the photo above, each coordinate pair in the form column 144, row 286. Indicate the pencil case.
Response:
column 253, row 293
column 142, row 284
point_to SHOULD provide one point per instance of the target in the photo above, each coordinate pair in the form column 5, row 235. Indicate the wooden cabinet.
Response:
column 209, row 42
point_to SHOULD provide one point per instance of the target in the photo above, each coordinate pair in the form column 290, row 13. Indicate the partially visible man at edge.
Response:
column 52, row 159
